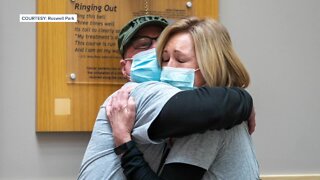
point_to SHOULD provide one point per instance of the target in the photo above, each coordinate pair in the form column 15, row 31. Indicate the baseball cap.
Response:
column 129, row 30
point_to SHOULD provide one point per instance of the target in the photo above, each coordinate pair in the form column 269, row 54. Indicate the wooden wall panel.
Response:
column 67, row 107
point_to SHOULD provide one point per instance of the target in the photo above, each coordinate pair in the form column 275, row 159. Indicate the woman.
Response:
column 194, row 53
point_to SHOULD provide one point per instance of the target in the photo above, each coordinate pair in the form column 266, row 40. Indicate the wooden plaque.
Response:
column 78, row 63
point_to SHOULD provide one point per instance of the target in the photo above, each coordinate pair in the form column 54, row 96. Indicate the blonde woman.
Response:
column 194, row 53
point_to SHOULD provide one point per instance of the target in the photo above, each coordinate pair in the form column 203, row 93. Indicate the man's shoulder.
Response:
column 148, row 89
column 108, row 98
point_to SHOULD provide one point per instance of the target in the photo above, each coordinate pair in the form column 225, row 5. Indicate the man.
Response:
column 100, row 161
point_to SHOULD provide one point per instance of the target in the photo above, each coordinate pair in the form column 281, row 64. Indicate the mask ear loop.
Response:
column 126, row 75
column 198, row 69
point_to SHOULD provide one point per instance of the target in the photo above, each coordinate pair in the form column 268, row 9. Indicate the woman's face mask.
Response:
column 179, row 60
column 145, row 66
column 182, row 78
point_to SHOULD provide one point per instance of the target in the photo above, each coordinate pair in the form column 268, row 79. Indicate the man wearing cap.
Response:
column 100, row 160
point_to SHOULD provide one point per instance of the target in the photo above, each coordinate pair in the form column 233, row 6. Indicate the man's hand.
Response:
column 252, row 121
column 121, row 112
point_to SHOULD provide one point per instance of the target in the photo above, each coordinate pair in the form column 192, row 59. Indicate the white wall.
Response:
column 279, row 42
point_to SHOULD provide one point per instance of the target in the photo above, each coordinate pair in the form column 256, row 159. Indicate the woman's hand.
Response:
column 121, row 112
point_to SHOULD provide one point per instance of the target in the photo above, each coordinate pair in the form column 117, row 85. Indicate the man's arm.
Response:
column 233, row 103
column 100, row 161
column 135, row 167
column 132, row 161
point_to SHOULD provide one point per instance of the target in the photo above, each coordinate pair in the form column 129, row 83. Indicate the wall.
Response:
column 277, row 40
column 23, row 153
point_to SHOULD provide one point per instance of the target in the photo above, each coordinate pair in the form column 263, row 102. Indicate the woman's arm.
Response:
column 201, row 109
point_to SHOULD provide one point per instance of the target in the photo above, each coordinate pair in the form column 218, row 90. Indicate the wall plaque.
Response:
column 92, row 55
column 78, row 63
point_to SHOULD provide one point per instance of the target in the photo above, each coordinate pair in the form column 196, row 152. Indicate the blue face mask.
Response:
column 145, row 67
column 182, row 78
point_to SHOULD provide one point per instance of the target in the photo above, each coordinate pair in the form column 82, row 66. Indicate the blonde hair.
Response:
column 217, row 60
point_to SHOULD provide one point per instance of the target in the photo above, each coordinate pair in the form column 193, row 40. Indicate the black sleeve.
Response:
column 135, row 168
column 182, row 171
column 205, row 108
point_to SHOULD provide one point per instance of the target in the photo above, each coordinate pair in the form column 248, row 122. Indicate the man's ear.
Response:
column 123, row 68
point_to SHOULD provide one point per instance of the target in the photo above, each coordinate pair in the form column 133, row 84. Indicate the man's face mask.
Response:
column 182, row 78
column 145, row 66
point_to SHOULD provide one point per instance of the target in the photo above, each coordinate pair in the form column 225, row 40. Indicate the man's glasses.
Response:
column 142, row 42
